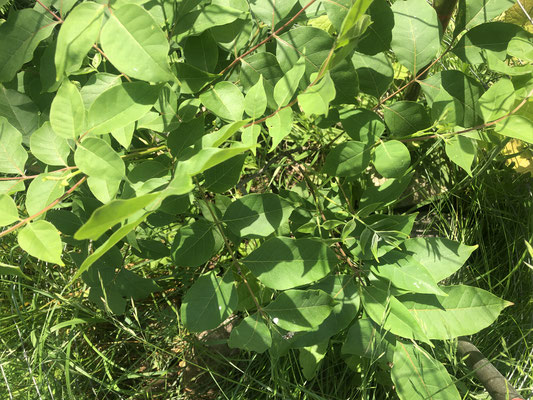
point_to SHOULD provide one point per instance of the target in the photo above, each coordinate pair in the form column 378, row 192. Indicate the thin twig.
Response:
column 474, row 128
column 48, row 207
column 50, row 11
column 415, row 79
column 273, row 34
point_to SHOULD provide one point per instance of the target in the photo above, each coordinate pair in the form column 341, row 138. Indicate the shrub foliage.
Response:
column 264, row 144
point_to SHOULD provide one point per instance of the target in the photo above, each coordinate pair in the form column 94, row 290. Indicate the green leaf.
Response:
column 521, row 46
column 8, row 210
column 257, row 215
column 271, row 12
column 516, row 126
column 19, row 110
column 111, row 214
column 362, row 125
column 77, row 35
column 375, row 73
column 315, row 100
column 406, row 117
column 130, row 34
column 461, row 150
column 104, row 189
column 464, row 311
column 21, row 34
column 198, row 21
column 118, row 235
column 392, row 159
column 255, row 101
column 310, row 358
column 315, row 41
column 10, row 187
column 201, row 52
column 442, row 257
column 95, row 157
column 498, row 100
column 235, row 35
column 6, row 269
column 43, row 190
column 378, row 35
column 224, row 100
column 132, row 285
column 460, row 90
column 349, row 159
column 283, row 263
column 279, row 126
column 252, row 334
column 210, row 157
column 185, row 135
column 124, row 135
column 345, row 83
column 195, row 244
column 258, row 65
column 96, row 85
column 208, row 302
column 49, row 148
column 287, row 86
column 67, row 114
column 353, row 22
column 299, row 310
column 375, row 197
column 405, row 273
column 415, row 36
column 344, row 290
column 337, row 11
column 224, row 176
column 12, row 155
column 492, row 36
column 386, row 311
column 192, row 79
column 367, row 339
column 217, row 138
column 120, row 105
column 417, row 375
column 41, row 240
column 474, row 12
column 389, row 231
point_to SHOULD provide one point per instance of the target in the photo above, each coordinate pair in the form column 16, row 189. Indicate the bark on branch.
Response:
column 494, row 382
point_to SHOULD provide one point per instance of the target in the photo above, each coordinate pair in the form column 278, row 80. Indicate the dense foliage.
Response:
column 141, row 130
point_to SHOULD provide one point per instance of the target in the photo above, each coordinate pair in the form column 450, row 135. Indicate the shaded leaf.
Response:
column 375, row 73
column 257, row 215
column 77, row 35
column 21, row 34
column 392, row 159
column 208, row 302
column 348, row 159
column 252, row 334
column 417, row 375
column 283, row 263
column 111, row 214
column 386, row 311
column 195, row 244
column 464, row 311
column 299, row 310
column 120, row 105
